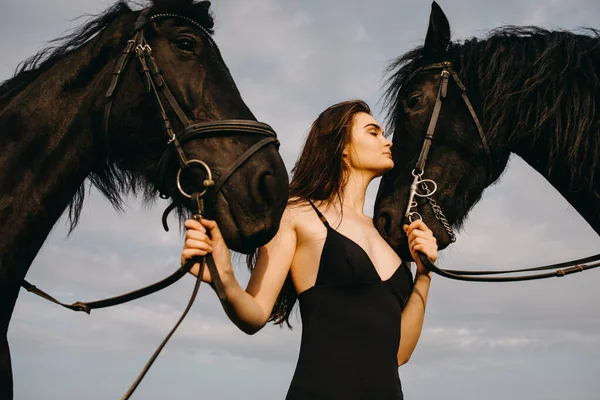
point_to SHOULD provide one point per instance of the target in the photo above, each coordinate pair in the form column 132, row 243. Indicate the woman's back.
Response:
column 351, row 325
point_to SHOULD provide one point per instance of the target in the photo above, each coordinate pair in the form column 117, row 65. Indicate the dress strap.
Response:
column 319, row 214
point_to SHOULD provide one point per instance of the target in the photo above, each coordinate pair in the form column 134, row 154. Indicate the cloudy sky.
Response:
column 291, row 59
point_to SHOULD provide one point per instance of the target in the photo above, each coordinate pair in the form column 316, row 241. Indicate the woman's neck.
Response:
column 355, row 191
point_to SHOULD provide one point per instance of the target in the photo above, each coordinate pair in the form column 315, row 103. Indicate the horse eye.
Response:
column 185, row 45
column 413, row 100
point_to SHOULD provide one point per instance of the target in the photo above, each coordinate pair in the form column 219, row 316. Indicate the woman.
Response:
column 329, row 256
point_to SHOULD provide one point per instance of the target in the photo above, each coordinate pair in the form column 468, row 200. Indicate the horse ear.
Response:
column 205, row 5
column 438, row 33
column 169, row 3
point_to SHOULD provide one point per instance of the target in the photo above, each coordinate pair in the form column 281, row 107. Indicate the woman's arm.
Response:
column 420, row 238
column 248, row 309
column 413, row 316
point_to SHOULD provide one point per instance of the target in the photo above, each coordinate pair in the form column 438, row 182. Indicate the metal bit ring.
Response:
column 208, row 182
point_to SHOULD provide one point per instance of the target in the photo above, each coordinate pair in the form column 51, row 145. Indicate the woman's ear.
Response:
column 346, row 150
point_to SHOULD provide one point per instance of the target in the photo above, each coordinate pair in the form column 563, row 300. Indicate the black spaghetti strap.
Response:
column 320, row 215
column 347, row 300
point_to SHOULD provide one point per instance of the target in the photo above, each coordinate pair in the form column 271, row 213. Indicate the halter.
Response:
column 447, row 72
column 556, row 270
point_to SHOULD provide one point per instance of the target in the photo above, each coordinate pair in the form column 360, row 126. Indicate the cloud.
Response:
column 290, row 61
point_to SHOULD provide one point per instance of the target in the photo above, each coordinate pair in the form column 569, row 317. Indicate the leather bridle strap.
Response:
column 155, row 83
column 241, row 160
column 88, row 306
column 560, row 270
column 447, row 71
column 463, row 94
column 154, row 356
column 198, row 209
column 441, row 95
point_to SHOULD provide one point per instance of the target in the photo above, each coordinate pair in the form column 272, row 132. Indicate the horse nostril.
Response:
column 383, row 223
column 266, row 186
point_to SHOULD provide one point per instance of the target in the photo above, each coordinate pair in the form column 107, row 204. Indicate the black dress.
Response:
column 350, row 326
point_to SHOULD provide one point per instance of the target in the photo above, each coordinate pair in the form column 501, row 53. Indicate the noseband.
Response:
column 556, row 270
column 447, row 72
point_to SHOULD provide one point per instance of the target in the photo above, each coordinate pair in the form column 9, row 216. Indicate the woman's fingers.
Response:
column 195, row 235
column 421, row 239
column 198, row 244
column 194, row 225
column 420, row 234
column 205, row 225
column 215, row 232
column 189, row 253
column 418, row 225
column 426, row 248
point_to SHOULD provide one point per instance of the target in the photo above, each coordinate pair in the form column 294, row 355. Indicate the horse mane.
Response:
column 109, row 180
column 526, row 81
column 30, row 69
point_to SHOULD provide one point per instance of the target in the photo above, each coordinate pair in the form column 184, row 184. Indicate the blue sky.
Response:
column 291, row 59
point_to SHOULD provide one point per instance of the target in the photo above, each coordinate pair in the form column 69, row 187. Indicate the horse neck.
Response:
column 545, row 114
column 50, row 141
column 578, row 189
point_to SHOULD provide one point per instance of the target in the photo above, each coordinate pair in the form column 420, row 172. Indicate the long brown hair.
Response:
column 320, row 174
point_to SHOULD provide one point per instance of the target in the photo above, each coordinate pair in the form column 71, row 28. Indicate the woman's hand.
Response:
column 420, row 238
column 202, row 238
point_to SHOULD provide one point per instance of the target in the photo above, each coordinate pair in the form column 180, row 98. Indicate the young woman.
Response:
column 353, row 289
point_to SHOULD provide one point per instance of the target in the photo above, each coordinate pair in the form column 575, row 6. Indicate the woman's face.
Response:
column 368, row 149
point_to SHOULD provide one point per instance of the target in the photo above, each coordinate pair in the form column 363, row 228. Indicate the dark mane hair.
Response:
column 34, row 66
column 109, row 180
column 525, row 81
column 46, row 58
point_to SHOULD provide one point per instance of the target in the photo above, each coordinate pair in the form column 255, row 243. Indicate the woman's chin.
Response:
column 386, row 167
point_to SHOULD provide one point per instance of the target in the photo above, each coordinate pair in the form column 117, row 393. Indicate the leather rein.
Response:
column 556, row 270
column 155, row 83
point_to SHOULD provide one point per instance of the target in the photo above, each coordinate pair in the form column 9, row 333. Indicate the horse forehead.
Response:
column 425, row 80
column 178, row 21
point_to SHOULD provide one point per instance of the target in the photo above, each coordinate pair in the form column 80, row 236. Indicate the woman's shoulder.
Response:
column 297, row 208
column 299, row 212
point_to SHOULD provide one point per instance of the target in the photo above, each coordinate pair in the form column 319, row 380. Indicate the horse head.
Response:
column 175, row 116
column 459, row 161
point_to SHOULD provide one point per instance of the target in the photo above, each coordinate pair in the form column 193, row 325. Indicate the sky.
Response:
column 290, row 60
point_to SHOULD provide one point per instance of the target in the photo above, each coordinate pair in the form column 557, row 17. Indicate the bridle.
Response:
column 156, row 84
column 560, row 270
column 419, row 170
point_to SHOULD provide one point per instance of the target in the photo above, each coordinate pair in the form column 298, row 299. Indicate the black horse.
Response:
column 535, row 92
column 56, row 130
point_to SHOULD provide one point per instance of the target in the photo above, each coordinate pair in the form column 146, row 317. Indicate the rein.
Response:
column 155, row 83
column 411, row 214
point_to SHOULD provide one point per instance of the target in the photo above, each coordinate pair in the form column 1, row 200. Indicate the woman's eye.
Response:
column 185, row 45
column 413, row 100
